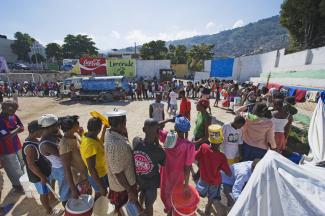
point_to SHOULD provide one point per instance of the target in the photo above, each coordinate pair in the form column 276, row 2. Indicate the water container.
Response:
column 29, row 188
column 80, row 207
column 182, row 205
column 103, row 207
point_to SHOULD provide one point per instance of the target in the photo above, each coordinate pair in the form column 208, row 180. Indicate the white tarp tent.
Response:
column 316, row 133
column 278, row 187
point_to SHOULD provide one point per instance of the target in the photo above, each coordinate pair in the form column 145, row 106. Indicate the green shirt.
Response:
column 199, row 130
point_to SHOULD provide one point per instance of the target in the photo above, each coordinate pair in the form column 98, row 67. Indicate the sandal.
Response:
column 56, row 212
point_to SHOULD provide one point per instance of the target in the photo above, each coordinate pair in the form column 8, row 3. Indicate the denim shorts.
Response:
column 207, row 190
column 41, row 188
column 94, row 185
column 64, row 189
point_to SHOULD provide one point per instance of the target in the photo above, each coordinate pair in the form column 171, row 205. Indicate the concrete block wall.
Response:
column 150, row 68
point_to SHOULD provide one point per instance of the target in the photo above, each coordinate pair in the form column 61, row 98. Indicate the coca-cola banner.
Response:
column 90, row 66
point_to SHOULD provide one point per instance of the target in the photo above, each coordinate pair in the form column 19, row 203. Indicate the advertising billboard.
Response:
column 93, row 66
column 121, row 67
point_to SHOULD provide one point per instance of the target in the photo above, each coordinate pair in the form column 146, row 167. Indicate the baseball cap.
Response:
column 182, row 124
column 33, row 126
column 203, row 102
column 48, row 120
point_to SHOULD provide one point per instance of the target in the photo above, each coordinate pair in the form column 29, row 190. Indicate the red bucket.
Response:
column 80, row 207
column 184, row 206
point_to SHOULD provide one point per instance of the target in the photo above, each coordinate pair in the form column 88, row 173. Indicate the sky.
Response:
column 120, row 24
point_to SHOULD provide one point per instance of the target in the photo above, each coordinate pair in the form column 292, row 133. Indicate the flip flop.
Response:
column 56, row 212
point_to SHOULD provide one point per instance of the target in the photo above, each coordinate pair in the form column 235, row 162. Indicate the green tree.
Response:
column 21, row 45
column 177, row 54
column 54, row 50
column 40, row 58
column 198, row 54
column 305, row 20
column 76, row 46
column 154, row 50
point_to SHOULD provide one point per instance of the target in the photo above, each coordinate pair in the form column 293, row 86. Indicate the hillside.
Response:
column 259, row 37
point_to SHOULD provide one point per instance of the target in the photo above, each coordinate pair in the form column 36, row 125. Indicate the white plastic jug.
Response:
column 29, row 188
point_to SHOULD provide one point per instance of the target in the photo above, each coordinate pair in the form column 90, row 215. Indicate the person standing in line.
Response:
column 119, row 158
column 93, row 155
column 185, row 106
column 148, row 157
column 156, row 109
column 173, row 102
column 75, row 171
column 211, row 161
column 38, row 167
column 49, row 147
column 234, row 184
column 282, row 121
column 10, row 127
column 233, row 139
column 202, row 123
column 179, row 159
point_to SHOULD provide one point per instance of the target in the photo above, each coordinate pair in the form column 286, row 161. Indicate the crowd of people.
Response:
column 102, row 159
column 29, row 89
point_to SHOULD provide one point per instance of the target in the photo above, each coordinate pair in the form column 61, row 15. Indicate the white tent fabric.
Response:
column 316, row 134
column 278, row 187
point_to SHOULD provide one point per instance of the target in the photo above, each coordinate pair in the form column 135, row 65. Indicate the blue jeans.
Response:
column 251, row 153
column 12, row 167
column 207, row 190
column 64, row 189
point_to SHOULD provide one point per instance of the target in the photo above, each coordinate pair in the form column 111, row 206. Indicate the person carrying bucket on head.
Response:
column 211, row 161
column 178, row 163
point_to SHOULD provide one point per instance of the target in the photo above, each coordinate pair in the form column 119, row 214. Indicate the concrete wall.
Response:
column 207, row 66
column 181, row 70
column 37, row 77
column 150, row 68
column 5, row 50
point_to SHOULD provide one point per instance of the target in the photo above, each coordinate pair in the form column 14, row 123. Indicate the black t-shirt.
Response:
column 147, row 159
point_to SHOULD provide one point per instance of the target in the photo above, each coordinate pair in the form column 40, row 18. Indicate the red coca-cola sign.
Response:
column 89, row 66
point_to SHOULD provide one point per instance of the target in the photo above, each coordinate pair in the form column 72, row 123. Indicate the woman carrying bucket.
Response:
column 176, row 171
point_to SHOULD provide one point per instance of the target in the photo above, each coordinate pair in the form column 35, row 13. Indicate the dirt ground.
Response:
column 32, row 108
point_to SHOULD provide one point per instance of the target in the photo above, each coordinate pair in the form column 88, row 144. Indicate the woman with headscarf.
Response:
column 178, row 163
column 258, row 133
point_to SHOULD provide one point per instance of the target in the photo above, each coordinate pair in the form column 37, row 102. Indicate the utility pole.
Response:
column 135, row 49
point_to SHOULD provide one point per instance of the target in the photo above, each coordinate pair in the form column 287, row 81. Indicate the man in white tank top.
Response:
column 156, row 109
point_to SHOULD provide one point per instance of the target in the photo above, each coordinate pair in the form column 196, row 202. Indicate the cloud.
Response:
column 116, row 34
column 210, row 25
column 238, row 23
column 142, row 37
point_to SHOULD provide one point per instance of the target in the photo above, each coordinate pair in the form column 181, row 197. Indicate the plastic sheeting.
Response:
column 222, row 67
column 316, row 132
column 278, row 187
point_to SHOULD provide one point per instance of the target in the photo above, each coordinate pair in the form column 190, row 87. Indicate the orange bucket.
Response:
column 182, row 205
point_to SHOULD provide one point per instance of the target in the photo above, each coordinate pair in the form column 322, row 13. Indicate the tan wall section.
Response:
column 180, row 69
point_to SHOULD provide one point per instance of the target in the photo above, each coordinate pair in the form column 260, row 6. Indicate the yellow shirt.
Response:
column 90, row 147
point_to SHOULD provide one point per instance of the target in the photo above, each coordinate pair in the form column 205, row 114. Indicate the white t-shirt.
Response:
column 232, row 138
column 173, row 97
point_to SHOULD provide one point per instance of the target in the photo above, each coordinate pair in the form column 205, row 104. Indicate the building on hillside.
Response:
column 119, row 54
column 5, row 49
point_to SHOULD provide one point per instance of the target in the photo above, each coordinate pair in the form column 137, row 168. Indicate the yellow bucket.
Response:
column 101, row 117
column 215, row 134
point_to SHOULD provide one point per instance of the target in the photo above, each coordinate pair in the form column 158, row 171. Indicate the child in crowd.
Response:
column 38, row 167
column 156, row 109
column 211, row 161
column 233, row 138
column 173, row 101
column 282, row 121
column 75, row 171
column 93, row 155
column 148, row 156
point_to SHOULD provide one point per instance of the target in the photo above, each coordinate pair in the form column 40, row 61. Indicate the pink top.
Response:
column 172, row 173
